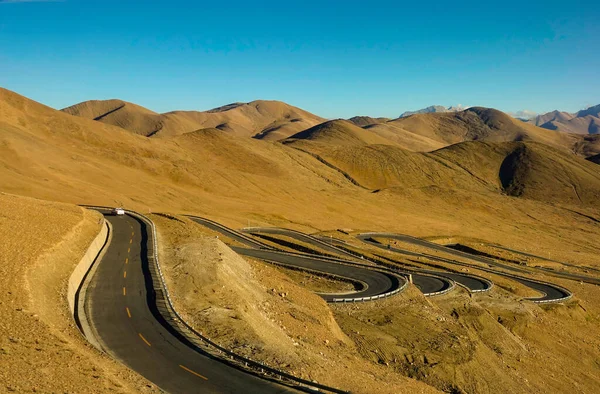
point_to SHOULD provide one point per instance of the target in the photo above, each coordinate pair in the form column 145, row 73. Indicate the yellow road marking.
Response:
column 192, row 372
column 124, row 274
column 127, row 260
column 124, row 291
column 132, row 233
column 144, row 339
column 131, row 241
column 128, row 250
column 128, row 313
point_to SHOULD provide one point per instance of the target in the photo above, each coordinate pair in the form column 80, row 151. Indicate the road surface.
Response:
column 550, row 292
column 121, row 309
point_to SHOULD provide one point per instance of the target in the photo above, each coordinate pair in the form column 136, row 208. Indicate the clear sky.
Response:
column 333, row 58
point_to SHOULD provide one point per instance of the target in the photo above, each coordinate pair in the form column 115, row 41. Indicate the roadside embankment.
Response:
column 41, row 348
column 255, row 310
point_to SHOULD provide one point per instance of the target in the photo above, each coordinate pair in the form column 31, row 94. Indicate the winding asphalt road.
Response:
column 376, row 282
column 428, row 284
column 121, row 308
column 550, row 291
column 428, row 281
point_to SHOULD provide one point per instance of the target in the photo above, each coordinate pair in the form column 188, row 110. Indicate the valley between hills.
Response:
column 509, row 195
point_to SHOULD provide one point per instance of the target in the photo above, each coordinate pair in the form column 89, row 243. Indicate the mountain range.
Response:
column 586, row 121
column 231, row 151
column 277, row 121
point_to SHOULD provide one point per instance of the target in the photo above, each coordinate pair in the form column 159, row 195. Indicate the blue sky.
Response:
column 333, row 58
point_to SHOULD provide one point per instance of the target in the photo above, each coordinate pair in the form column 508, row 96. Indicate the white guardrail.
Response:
column 568, row 293
column 207, row 345
column 389, row 268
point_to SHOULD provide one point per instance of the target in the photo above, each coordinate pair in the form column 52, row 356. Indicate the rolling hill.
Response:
column 334, row 175
column 520, row 169
column 339, row 132
column 271, row 120
column 427, row 132
column 362, row 121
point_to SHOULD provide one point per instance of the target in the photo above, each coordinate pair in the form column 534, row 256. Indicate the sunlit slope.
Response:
column 50, row 154
column 435, row 130
column 520, row 169
column 340, row 132
column 263, row 119
column 119, row 113
column 363, row 121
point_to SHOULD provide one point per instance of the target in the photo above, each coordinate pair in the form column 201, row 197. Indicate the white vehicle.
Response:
column 118, row 211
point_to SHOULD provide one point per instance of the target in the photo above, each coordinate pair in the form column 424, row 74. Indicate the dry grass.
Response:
column 270, row 120
column 454, row 192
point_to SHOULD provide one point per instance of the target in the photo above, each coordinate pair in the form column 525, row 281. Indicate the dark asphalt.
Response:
column 433, row 246
column 232, row 234
column 139, row 337
column 298, row 236
column 550, row 292
column 471, row 282
column 377, row 282
column 425, row 283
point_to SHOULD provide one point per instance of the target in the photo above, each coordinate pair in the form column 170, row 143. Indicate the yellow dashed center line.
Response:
column 144, row 339
column 124, row 291
column 127, row 260
column 128, row 313
column 129, row 250
column 131, row 241
column 192, row 372
column 124, row 274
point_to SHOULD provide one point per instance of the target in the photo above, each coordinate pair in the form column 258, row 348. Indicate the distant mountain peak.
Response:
column 586, row 121
column 435, row 109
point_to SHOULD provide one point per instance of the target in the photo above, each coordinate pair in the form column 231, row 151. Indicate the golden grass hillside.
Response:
column 41, row 349
column 339, row 132
column 481, row 124
column 362, row 121
column 49, row 154
column 521, row 169
column 263, row 119
column 454, row 192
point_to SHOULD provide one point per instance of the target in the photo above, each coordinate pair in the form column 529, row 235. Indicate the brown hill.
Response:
column 339, row 132
column 540, row 172
column 426, row 132
column 362, row 121
column 271, row 120
column 126, row 115
column 456, row 191
column 530, row 170
column 520, row 169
